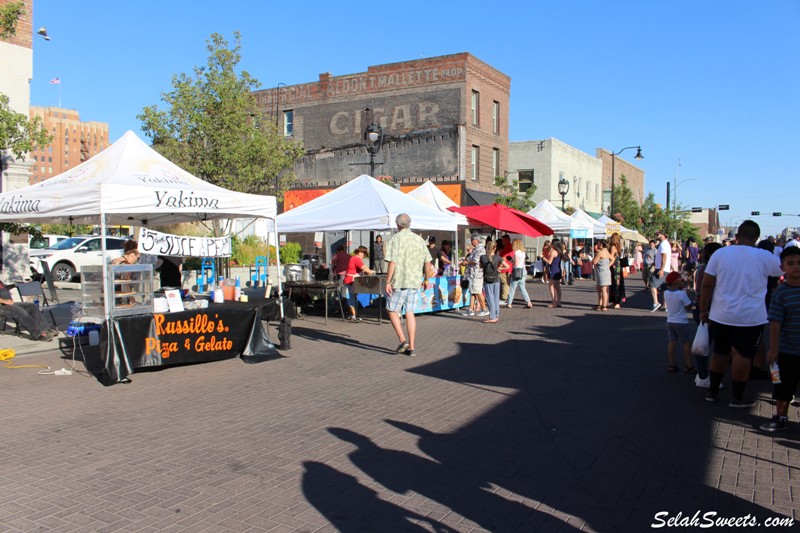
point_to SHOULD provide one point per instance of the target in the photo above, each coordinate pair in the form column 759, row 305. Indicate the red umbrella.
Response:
column 504, row 218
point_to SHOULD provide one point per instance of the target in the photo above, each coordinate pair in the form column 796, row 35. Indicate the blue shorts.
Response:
column 402, row 298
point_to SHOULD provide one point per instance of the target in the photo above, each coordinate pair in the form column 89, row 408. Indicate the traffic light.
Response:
column 776, row 214
column 723, row 207
column 755, row 213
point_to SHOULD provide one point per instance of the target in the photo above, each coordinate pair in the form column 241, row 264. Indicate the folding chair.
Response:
column 34, row 288
column 6, row 319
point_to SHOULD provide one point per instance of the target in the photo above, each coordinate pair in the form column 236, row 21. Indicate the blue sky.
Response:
column 712, row 83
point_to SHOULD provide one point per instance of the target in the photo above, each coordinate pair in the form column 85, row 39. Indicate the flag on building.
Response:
column 55, row 81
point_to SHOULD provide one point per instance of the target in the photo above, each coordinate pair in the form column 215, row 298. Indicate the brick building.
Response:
column 633, row 175
column 73, row 142
column 443, row 118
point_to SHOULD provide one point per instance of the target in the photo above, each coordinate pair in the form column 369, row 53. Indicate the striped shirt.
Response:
column 785, row 308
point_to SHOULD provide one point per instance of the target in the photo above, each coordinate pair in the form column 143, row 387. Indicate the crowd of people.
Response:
column 746, row 293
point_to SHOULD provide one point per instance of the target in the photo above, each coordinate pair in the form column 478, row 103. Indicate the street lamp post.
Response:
column 613, row 160
column 373, row 140
column 563, row 189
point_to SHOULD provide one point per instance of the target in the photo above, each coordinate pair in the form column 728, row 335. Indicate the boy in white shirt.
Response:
column 678, row 302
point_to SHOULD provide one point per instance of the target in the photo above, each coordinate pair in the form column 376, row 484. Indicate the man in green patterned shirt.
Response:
column 409, row 264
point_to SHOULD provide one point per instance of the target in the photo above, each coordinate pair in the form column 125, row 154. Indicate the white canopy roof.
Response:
column 363, row 203
column 557, row 219
column 598, row 229
column 132, row 184
column 625, row 233
column 428, row 193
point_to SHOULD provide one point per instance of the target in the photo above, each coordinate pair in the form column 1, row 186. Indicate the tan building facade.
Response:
column 73, row 142
column 443, row 118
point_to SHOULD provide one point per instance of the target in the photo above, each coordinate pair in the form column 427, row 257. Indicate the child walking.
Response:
column 678, row 302
column 784, row 338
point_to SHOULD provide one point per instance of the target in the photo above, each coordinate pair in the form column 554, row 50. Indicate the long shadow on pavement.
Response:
column 597, row 429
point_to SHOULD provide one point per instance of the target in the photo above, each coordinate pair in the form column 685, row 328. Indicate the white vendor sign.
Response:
column 157, row 243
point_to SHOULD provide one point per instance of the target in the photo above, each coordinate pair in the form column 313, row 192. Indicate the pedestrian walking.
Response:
column 409, row 264
column 518, row 275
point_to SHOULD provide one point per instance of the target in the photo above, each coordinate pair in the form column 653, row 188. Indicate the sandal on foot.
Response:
column 672, row 368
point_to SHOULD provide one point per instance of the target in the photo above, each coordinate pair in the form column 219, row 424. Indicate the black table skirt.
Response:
column 221, row 331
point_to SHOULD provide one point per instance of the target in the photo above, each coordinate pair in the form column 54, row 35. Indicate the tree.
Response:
column 18, row 133
column 213, row 128
column 509, row 194
column 9, row 15
column 627, row 210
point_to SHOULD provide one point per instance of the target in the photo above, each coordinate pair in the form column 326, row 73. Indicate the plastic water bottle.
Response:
column 238, row 289
column 36, row 300
column 775, row 372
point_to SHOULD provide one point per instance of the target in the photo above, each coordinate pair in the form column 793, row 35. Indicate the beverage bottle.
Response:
column 775, row 372
column 36, row 300
column 238, row 289
column 211, row 289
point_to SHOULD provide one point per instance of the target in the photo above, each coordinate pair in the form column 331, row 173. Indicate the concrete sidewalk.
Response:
column 551, row 420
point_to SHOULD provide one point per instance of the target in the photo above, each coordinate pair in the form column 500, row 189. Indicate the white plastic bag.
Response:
column 701, row 340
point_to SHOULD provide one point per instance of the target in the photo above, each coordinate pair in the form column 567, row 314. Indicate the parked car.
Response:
column 66, row 257
column 44, row 241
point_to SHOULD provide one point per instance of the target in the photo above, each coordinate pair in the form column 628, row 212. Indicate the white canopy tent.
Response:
column 428, row 193
column 624, row 232
column 129, row 183
column 598, row 229
column 557, row 219
column 363, row 203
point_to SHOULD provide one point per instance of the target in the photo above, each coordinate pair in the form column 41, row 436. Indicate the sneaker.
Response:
column 468, row 313
column 796, row 401
column 483, row 313
column 411, row 353
column 655, row 308
column 778, row 423
column 744, row 402
column 402, row 347
column 702, row 383
column 712, row 396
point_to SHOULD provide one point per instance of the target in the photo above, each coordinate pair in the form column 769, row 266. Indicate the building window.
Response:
column 42, row 170
column 495, row 117
column 288, row 123
column 476, row 154
column 525, row 180
column 496, row 163
column 476, row 108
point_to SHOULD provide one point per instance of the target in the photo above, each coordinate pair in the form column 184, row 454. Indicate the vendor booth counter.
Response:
column 439, row 294
column 220, row 331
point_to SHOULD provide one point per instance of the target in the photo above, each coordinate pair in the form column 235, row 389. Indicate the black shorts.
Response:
column 789, row 368
column 745, row 339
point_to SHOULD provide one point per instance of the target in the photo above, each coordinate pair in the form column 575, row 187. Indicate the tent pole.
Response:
column 277, row 266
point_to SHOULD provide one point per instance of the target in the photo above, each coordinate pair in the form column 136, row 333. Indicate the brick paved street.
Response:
column 552, row 420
